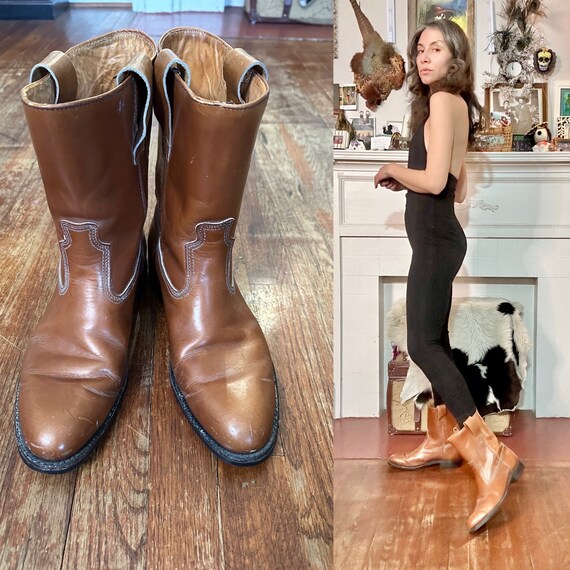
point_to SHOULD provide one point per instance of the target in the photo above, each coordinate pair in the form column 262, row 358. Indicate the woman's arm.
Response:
column 461, row 188
column 441, row 127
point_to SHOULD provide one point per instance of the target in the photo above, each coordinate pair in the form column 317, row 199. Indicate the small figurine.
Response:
column 544, row 60
column 541, row 137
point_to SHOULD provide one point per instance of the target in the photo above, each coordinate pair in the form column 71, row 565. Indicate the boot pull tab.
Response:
column 61, row 71
column 140, row 67
column 239, row 70
column 165, row 66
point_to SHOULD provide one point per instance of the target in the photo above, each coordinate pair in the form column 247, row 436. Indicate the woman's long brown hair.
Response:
column 459, row 79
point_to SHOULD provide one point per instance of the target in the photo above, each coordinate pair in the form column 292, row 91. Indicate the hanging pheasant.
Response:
column 378, row 68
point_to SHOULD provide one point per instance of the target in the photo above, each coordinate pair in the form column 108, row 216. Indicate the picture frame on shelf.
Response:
column 561, row 98
column 562, row 144
column 521, row 113
column 348, row 97
column 380, row 142
column 392, row 127
column 365, row 127
column 563, row 127
column 336, row 98
column 461, row 12
column 522, row 143
column 340, row 139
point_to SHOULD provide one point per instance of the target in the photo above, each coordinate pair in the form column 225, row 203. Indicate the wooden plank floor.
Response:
column 153, row 496
column 386, row 518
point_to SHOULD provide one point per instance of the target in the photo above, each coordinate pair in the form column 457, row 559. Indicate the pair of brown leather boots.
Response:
column 494, row 465
column 89, row 113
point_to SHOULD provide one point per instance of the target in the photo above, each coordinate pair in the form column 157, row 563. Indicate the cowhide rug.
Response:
column 490, row 346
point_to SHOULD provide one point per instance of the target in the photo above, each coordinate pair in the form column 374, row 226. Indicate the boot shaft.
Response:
column 88, row 113
column 210, row 101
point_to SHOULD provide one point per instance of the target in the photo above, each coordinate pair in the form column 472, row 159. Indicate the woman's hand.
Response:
column 385, row 179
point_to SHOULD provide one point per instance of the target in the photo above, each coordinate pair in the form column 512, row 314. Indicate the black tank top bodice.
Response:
column 429, row 216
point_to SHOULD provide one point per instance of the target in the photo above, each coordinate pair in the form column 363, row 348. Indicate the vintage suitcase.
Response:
column 402, row 418
column 406, row 418
column 304, row 11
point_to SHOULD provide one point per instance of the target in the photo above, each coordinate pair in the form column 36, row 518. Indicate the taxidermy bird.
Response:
column 378, row 68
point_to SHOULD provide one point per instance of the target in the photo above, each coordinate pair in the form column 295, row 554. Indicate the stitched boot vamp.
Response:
column 493, row 464
column 222, row 365
column 429, row 452
column 492, row 476
column 73, row 372
column 434, row 449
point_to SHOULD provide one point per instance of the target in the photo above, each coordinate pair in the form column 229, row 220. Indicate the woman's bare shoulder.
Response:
column 444, row 99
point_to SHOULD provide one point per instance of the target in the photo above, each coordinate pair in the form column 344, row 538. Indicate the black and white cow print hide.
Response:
column 490, row 346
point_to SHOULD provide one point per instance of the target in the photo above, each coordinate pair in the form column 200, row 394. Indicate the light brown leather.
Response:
column 494, row 465
column 434, row 449
column 218, row 354
column 75, row 366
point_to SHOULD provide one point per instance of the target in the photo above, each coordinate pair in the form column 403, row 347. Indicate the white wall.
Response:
column 555, row 28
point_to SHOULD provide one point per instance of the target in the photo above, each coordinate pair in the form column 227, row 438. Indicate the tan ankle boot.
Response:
column 434, row 450
column 494, row 465
column 88, row 111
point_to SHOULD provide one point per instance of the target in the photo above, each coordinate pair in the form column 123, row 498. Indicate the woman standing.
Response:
column 444, row 108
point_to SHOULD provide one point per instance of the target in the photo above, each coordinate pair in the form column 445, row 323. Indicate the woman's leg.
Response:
column 428, row 304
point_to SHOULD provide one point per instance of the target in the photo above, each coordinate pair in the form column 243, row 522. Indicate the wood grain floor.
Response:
column 385, row 518
column 153, row 496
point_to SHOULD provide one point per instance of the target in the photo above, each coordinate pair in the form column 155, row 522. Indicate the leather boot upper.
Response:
column 493, row 463
column 209, row 107
column 87, row 112
column 434, row 449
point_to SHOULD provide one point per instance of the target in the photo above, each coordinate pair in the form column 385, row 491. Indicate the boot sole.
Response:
column 63, row 465
column 442, row 465
column 226, row 455
column 514, row 476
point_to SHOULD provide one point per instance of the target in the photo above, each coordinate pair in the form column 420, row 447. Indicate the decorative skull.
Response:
column 544, row 59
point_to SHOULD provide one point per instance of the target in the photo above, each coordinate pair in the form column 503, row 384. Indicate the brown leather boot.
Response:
column 434, row 449
column 88, row 112
column 494, row 465
column 210, row 100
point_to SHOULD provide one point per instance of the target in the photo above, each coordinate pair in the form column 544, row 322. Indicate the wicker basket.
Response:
column 494, row 139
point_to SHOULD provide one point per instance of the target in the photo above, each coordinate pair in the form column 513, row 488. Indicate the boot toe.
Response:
column 237, row 410
column 398, row 460
column 241, row 433
column 50, row 444
column 57, row 423
column 239, row 424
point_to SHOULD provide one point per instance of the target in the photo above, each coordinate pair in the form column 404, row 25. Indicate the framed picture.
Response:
column 348, row 98
column 524, row 111
column 365, row 128
column 562, row 98
column 392, row 127
column 521, row 143
column 562, row 144
column 340, row 139
column 460, row 11
column 563, row 127
column 336, row 98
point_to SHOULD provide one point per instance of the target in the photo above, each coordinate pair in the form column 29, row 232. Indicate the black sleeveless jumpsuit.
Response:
column 438, row 249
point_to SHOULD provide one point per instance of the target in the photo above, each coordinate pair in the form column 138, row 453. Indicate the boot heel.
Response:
column 518, row 471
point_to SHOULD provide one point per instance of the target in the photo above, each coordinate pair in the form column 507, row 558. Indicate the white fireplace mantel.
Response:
column 517, row 222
